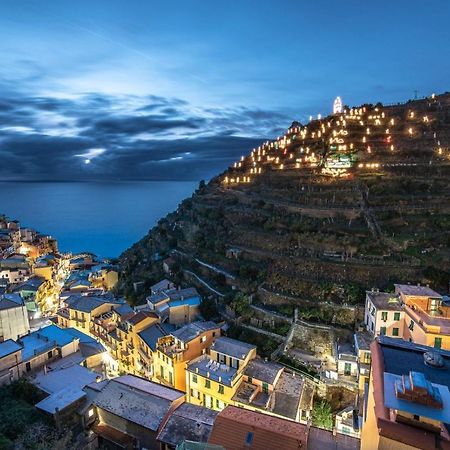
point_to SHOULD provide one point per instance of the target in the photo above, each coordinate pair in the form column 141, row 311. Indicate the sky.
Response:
column 177, row 90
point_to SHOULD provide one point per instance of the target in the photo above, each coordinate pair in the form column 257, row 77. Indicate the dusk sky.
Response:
column 108, row 89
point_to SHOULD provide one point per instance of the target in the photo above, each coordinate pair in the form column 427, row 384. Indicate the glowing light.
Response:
column 337, row 105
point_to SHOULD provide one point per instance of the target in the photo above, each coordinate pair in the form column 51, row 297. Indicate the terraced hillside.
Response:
column 350, row 201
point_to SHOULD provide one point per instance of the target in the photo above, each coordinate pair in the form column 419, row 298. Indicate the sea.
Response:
column 99, row 217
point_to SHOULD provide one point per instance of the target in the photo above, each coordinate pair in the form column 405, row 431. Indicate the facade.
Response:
column 363, row 340
column 384, row 314
column 10, row 359
column 427, row 317
column 213, row 378
column 408, row 401
column 13, row 317
column 176, row 350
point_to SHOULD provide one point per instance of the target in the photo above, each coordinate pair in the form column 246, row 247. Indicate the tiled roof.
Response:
column 264, row 371
column 188, row 422
column 238, row 428
column 150, row 335
column 192, row 330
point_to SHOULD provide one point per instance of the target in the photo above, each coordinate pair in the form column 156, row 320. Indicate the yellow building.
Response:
column 213, row 379
column 408, row 401
column 427, row 318
column 174, row 351
column 362, row 347
column 104, row 278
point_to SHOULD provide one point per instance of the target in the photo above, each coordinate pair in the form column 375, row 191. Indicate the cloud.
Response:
column 95, row 136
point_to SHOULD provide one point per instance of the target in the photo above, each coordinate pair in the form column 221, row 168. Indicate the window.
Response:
column 250, row 379
column 192, row 392
column 28, row 366
column 384, row 316
column 221, row 389
column 249, row 438
column 203, row 339
column 394, row 331
column 90, row 413
column 383, row 331
column 397, row 316
column 437, row 342
column 207, row 384
column 265, row 388
column 194, row 378
column 49, row 354
column 217, row 403
column 411, row 325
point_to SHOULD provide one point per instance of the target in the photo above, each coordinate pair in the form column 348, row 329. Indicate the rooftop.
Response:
column 240, row 428
column 8, row 301
column 385, row 300
column 213, row 370
column 288, row 394
column 362, row 340
column 150, row 335
column 87, row 303
column 192, row 330
column 141, row 316
column 188, row 422
column 137, row 400
column 162, row 286
column 264, row 371
column 320, row 439
column 232, row 347
column 416, row 290
column 60, row 400
column 9, row 346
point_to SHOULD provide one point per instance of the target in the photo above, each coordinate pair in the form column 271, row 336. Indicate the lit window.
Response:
column 90, row 412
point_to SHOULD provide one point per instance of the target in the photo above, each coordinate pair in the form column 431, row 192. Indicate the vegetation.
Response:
column 322, row 415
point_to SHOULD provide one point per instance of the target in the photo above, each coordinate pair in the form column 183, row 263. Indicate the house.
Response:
column 347, row 361
column 177, row 306
column 13, row 317
column 163, row 285
column 130, row 411
column 186, row 423
column 10, row 358
column 212, row 379
column 104, row 276
column 175, row 351
column 384, row 314
column 35, row 292
column 147, row 342
column 347, row 422
column 427, row 317
column 363, row 339
column 408, row 401
column 238, row 428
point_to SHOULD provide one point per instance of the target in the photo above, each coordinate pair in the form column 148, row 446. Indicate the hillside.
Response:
column 355, row 200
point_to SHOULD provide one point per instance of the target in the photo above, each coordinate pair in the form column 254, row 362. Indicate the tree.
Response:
column 240, row 304
column 322, row 416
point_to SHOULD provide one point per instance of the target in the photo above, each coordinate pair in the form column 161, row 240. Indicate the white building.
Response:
column 13, row 317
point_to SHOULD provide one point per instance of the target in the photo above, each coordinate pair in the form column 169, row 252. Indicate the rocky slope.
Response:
column 355, row 200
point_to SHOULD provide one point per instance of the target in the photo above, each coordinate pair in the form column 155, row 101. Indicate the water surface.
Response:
column 104, row 218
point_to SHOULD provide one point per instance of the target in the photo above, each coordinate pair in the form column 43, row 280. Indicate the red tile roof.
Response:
column 238, row 429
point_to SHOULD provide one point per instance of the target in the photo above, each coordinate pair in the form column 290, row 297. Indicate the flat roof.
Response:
column 363, row 340
column 385, row 300
column 288, row 392
column 232, row 347
column 9, row 346
column 208, row 368
column 400, row 357
column 416, row 290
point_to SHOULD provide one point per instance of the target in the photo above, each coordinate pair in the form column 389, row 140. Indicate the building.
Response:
column 347, row 422
column 408, row 401
column 129, row 411
column 10, row 358
column 147, row 342
column 362, row 347
column 13, row 317
column 384, row 314
column 104, row 276
column 347, row 361
column 177, row 306
column 213, row 378
column 237, row 429
column 37, row 295
column 186, row 423
column 175, row 351
column 427, row 317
